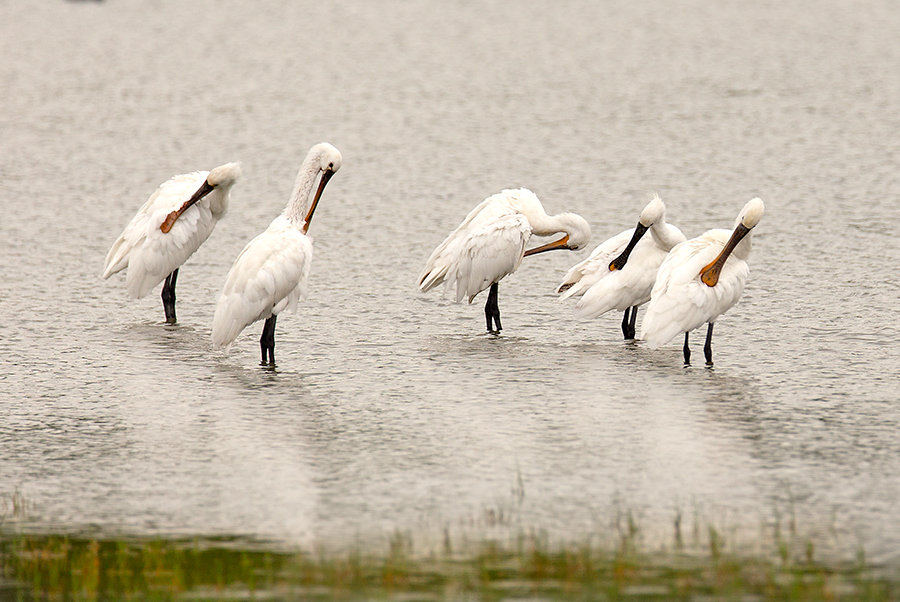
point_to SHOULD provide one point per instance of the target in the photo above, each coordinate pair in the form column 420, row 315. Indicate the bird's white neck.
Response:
column 548, row 225
column 218, row 201
column 298, row 207
column 664, row 235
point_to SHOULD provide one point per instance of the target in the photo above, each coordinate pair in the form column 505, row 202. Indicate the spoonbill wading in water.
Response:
column 270, row 274
column 490, row 244
column 700, row 280
column 620, row 272
column 168, row 228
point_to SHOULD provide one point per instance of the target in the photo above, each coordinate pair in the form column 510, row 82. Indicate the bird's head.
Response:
column 654, row 212
column 751, row 213
column 328, row 157
column 579, row 231
column 224, row 176
column 328, row 160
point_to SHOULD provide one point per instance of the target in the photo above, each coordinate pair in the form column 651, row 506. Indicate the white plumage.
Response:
column 620, row 272
column 699, row 280
column 270, row 274
column 490, row 243
column 188, row 206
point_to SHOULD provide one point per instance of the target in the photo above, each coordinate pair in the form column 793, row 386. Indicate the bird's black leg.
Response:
column 267, row 342
column 492, row 310
column 628, row 323
column 707, row 349
column 168, row 296
column 687, row 350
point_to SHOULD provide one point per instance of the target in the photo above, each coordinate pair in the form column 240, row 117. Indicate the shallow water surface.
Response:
column 391, row 411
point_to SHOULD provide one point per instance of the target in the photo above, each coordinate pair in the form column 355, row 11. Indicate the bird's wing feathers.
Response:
column 268, row 276
column 488, row 254
column 439, row 261
column 603, row 290
column 585, row 274
column 495, row 216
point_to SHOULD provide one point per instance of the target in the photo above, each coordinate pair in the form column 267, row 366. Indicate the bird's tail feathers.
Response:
column 431, row 278
column 116, row 260
column 654, row 338
column 567, row 290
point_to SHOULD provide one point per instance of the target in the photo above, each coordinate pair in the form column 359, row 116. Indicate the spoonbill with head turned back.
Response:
column 700, row 280
column 620, row 272
column 168, row 228
column 270, row 274
column 490, row 244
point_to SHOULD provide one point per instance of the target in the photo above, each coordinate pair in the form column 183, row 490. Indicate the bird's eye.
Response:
column 331, row 165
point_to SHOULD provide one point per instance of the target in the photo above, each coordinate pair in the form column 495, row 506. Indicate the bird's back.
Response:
column 268, row 276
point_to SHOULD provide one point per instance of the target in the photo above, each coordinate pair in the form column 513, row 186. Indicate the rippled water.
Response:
column 391, row 410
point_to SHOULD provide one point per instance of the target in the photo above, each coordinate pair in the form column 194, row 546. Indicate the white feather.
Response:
column 269, row 276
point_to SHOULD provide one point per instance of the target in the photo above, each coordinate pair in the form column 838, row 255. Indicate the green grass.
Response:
column 699, row 564
column 56, row 567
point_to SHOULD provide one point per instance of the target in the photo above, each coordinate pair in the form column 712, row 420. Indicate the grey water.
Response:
column 392, row 411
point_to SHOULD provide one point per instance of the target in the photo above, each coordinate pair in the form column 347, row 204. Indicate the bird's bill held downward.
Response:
column 562, row 243
column 710, row 274
column 170, row 220
column 326, row 175
column 619, row 262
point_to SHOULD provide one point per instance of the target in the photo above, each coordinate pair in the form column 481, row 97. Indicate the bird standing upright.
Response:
column 490, row 243
column 168, row 228
column 270, row 274
column 620, row 272
column 699, row 280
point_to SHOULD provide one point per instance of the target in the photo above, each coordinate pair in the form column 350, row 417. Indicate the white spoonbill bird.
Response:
column 168, row 228
column 700, row 280
column 620, row 272
column 490, row 244
column 270, row 274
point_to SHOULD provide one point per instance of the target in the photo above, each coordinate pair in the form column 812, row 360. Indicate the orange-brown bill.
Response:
column 556, row 244
column 710, row 274
column 170, row 220
column 326, row 175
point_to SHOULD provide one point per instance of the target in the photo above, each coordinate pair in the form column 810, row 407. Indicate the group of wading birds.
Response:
column 688, row 283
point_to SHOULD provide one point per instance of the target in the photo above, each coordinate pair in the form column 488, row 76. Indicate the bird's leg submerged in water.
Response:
column 267, row 342
column 633, row 321
column 168, row 296
column 707, row 349
column 492, row 310
column 687, row 350
column 628, row 322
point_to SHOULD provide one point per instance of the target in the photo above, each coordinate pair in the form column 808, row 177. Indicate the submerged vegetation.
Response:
column 59, row 567
column 700, row 563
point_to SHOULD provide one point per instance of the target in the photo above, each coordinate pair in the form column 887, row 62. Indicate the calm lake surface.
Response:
column 391, row 411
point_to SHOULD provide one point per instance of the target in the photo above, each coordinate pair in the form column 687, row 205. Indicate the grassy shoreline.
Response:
column 60, row 567
column 698, row 565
